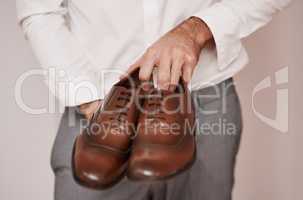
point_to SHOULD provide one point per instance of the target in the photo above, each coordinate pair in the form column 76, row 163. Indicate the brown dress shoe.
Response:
column 165, row 142
column 101, row 152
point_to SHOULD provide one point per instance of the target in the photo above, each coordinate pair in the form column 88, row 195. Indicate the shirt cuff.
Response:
column 224, row 25
column 26, row 9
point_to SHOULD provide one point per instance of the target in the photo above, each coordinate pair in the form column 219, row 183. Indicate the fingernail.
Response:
column 163, row 88
column 166, row 86
column 185, row 79
column 172, row 88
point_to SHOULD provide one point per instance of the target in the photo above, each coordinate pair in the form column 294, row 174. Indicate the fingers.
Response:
column 187, row 73
column 176, row 72
column 172, row 64
column 147, row 65
column 164, row 71
column 190, row 63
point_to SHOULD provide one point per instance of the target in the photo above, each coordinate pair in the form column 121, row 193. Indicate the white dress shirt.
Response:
column 86, row 45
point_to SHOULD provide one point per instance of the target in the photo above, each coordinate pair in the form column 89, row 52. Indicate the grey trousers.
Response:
column 219, row 123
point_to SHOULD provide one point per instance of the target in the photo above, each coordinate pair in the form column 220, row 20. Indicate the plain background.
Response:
column 269, row 164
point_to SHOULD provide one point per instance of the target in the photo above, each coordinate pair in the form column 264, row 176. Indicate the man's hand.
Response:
column 175, row 54
column 87, row 109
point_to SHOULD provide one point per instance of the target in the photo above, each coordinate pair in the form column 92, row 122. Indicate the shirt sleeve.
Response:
column 70, row 75
column 232, row 20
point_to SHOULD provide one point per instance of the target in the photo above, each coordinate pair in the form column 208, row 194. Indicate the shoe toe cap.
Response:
column 96, row 168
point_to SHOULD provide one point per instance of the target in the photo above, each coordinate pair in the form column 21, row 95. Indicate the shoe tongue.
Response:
column 122, row 88
column 155, row 91
column 170, row 102
column 119, row 88
column 112, row 96
column 167, row 92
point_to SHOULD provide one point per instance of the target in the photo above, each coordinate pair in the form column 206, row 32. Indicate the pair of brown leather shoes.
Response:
column 143, row 135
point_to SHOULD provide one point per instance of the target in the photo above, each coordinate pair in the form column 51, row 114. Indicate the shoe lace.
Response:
column 155, row 102
column 122, row 101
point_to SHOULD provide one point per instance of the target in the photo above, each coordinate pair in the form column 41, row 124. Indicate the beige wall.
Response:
column 26, row 139
column 269, row 164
